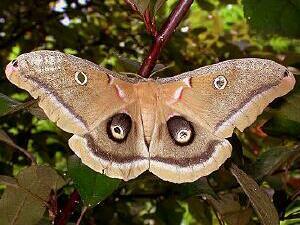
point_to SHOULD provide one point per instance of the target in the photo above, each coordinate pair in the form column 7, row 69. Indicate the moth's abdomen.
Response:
column 148, row 118
column 148, row 107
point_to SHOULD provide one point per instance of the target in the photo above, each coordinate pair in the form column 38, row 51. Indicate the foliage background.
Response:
column 213, row 31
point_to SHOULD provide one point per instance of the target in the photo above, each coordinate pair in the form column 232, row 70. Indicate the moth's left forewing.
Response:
column 249, row 86
column 213, row 100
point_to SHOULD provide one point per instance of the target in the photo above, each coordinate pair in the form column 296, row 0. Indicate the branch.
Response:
column 164, row 35
column 81, row 215
column 5, row 138
column 26, row 153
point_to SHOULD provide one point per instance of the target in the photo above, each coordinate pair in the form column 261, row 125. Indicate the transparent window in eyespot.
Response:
column 220, row 82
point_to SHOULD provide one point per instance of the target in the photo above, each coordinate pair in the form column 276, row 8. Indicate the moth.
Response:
column 174, row 127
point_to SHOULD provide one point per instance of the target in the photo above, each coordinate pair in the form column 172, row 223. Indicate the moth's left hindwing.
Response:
column 181, row 150
column 81, row 98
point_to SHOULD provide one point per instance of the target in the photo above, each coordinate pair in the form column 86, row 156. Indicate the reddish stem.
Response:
column 164, row 35
column 68, row 209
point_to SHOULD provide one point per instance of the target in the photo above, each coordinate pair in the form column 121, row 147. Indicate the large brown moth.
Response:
column 174, row 127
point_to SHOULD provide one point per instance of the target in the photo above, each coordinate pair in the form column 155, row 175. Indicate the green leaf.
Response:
column 158, row 5
column 280, row 126
column 93, row 187
column 44, row 221
column 198, row 187
column 126, row 65
column 274, row 16
column 131, row 67
column 270, row 160
column 5, row 138
column 229, row 207
column 290, row 108
column 153, row 5
column 170, row 211
column 206, row 5
column 200, row 212
column 287, row 117
column 259, row 199
column 9, row 181
column 25, row 199
column 9, row 106
column 142, row 5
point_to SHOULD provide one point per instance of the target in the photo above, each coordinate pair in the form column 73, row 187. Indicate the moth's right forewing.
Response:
column 81, row 97
column 51, row 77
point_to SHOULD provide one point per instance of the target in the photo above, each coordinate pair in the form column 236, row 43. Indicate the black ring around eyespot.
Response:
column 123, row 120
column 177, row 123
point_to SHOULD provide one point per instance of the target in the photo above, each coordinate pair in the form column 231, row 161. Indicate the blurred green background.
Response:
column 102, row 31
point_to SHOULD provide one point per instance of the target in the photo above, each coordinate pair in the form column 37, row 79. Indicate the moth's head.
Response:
column 22, row 65
column 12, row 69
column 35, row 62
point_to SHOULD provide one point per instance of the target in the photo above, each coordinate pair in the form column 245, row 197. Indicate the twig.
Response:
column 81, row 215
column 164, row 35
column 26, row 153
column 17, row 106
column 5, row 138
column 216, row 212
column 68, row 209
